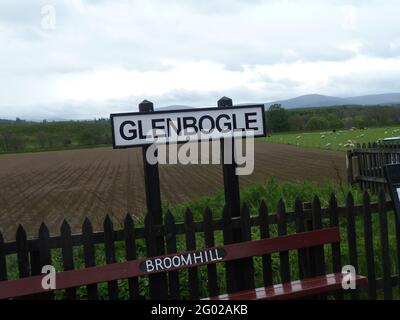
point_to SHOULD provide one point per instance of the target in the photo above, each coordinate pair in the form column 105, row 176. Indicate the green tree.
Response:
column 65, row 138
column 317, row 123
column 277, row 118
column 358, row 121
column 297, row 122
column 334, row 122
column 11, row 142
column 41, row 139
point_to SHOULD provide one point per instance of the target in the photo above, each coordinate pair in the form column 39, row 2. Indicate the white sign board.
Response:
column 139, row 129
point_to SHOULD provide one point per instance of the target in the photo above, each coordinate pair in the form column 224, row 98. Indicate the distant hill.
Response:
column 318, row 100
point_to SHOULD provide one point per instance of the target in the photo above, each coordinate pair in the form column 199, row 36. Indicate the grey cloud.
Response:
column 19, row 11
column 142, row 42
column 92, row 35
column 359, row 84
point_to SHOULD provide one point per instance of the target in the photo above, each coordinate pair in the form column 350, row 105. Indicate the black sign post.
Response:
column 231, row 180
column 392, row 173
column 239, row 270
column 158, row 282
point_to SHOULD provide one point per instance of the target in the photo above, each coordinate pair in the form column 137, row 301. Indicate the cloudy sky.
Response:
column 88, row 58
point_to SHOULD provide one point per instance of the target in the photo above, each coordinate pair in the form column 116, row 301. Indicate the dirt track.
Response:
column 74, row 184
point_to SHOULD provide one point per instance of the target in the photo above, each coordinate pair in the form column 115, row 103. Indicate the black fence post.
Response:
column 349, row 167
column 232, row 197
column 158, row 283
column 3, row 262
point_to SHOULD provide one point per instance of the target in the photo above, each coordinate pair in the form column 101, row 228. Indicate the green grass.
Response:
column 341, row 140
column 270, row 192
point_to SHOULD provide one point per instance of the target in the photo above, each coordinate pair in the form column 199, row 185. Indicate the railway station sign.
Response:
column 187, row 259
column 174, row 126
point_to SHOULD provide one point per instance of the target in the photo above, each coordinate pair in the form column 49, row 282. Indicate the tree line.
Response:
column 280, row 119
column 20, row 136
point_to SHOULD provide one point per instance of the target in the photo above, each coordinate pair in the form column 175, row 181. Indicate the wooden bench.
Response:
column 123, row 270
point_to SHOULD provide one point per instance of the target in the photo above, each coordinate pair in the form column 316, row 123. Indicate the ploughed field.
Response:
column 52, row 186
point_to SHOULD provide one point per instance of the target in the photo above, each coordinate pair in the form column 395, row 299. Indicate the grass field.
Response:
column 341, row 140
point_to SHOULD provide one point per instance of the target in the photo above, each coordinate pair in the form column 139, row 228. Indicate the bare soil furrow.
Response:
column 52, row 186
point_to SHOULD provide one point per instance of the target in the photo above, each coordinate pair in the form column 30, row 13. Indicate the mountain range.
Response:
column 304, row 101
column 318, row 100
